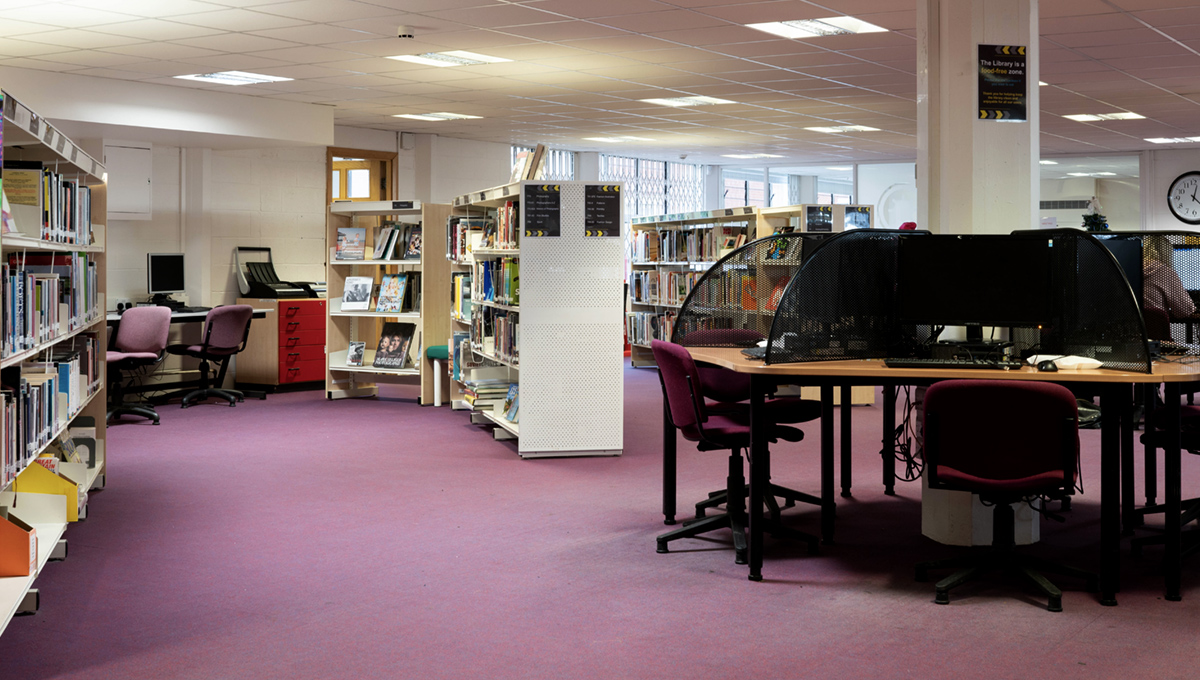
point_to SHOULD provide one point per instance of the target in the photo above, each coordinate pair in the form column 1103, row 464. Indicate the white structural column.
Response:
column 974, row 176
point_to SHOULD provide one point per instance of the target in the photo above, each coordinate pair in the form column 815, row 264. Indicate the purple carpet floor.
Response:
column 300, row 538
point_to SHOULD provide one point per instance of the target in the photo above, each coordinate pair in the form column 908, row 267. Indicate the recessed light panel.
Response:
column 234, row 78
column 836, row 129
column 815, row 28
column 1172, row 140
column 435, row 116
column 1093, row 117
column 451, row 58
column 1048, row 162
column 618, row 138
column 751, row 155
column 687, row 101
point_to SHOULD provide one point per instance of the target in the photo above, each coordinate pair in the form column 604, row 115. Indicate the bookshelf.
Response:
column 54, row 262
column 535, row 273
column 431, row 323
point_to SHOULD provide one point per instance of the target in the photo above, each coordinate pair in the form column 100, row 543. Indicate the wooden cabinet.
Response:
column 287, row 347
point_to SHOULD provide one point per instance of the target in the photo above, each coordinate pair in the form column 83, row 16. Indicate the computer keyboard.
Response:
column 755, row 352
column 954, row 363
column 191, row 310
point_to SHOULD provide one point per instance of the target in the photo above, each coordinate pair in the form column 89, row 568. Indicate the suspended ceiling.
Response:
column 580, row 67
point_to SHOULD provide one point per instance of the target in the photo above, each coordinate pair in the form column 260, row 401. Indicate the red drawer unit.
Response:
column 288, row 346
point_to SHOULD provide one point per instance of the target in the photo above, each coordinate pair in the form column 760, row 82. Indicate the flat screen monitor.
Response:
column 1127, row 249
column 164, row 273
column 974, row 280
column 1187, row 265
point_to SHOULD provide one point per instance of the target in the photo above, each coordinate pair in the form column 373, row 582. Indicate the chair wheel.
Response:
column 232, row 404
column 739, row 557
column 1055, row 604
column 662, row 548
column 942, row 597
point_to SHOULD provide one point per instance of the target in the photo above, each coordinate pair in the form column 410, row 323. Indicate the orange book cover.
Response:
column 748, row 300
column 18, row 548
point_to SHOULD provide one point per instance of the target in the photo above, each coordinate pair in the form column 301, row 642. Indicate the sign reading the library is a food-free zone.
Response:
column 1002, row 82
column 543, row 209
column 602, row 210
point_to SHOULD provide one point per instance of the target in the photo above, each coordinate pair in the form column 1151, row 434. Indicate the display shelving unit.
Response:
column 569, row 362
column 29, row 137
column 432, row 322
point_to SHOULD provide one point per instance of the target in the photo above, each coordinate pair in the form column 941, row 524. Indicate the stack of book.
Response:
column 483, row 395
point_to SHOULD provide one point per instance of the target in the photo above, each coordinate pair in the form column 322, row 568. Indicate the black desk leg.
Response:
column 1110, row 492
column 759, row 461
column 828, row 505
column 847, row 462
column 1128, row 488
column 1173, row 493
column 668, row 447
column 889, row 440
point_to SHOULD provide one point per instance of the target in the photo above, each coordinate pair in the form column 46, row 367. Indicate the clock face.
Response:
column 1183, row 198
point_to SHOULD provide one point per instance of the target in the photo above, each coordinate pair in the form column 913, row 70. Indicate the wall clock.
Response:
column 1183, row 198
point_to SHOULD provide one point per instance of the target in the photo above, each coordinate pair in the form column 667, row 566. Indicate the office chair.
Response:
column 1006, row 441
column 139, row 342
column 689, row 414
column 225, row 331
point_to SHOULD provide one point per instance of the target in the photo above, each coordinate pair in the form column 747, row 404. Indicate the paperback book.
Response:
column 357, row 294
column 355, row 352
column 393, row 345
column 511, row 403
column 351, row 243
column 412, row 248
column 391, row 293
column 383, row 238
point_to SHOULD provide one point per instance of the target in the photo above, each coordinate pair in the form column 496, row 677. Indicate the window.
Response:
column 559, row 165
column 744, row 186
column 655, row 187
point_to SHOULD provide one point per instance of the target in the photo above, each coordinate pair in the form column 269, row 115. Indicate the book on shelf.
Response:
column 356, row 296
column 537, row 163
column 383, row 238
column 414, row 351
column 520, row 166
column 24, row 194
column 7, row 224
column 412, row 245
column 351, row 243
column 777, row 248
column 393, row 345
column 511, row 403
column 777, row 293
column 391, row 293
column 355, row 352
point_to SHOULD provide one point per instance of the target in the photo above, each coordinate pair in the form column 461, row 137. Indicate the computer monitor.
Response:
column 164, row 275
column 974, row 280
column 1127, row 249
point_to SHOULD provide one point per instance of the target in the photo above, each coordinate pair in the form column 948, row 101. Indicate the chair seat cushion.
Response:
column 735, row 432
column 440, row 352
column 1045, row 481
column 112, row 357
column 198, row 351
column 786, row 410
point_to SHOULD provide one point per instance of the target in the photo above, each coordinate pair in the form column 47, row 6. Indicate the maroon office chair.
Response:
column 225, row 331
column 138, row 344
column 689, row 413
column 1007, row 441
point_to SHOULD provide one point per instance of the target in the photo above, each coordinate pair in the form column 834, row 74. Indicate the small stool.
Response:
column 437, row 354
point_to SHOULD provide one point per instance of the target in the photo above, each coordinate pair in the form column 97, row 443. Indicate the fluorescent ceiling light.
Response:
column 687, row 101
column 434, row 116
column 1172, row 140
column 1106, row 174
column 1092, row 117
column 1048, row 162
column 1092, row 174
column 751, row 155
column 619, row 138
column 1042, row 84
column 839, row 167
column 842, row 128
column 1080, row 174
column 451, row 58
column 814, row 28
column 234, row 78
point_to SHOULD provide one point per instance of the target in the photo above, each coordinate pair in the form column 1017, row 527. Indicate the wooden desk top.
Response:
column 732, row 358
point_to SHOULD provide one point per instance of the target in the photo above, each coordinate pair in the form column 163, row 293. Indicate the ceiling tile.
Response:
column 24, row 48
column 55, row 14
column 236, row 42
column 80, row 39
column 316, row 34
column 238, row 20
column 155, row 29
column 325, row 11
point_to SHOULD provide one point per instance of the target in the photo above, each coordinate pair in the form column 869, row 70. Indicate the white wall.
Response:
column 1159, row 169
column 460, row 166
column 129, row 241
column 1119, row 201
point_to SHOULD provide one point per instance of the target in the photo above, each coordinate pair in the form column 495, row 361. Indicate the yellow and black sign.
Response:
column 1003, row 83
column 541, row 207
column 602, row 210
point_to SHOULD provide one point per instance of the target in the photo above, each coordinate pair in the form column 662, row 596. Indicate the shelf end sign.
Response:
column 1003, row 83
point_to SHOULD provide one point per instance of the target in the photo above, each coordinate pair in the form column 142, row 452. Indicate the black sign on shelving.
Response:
column 542, row 205
column 402, row 205
column 1003, row 82
column 602, row 210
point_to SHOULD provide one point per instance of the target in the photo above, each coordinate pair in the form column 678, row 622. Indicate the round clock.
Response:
column 1183, row 198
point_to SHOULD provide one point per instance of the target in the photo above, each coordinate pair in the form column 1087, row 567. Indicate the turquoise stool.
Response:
column 438, row 354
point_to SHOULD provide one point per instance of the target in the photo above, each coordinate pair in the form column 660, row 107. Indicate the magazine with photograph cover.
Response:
column 351, row 243
column 391, row 292
column 393, row 345
column 356, row 297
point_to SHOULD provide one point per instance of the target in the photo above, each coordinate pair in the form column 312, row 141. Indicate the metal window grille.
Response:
column 560, row 163
column 655, row 187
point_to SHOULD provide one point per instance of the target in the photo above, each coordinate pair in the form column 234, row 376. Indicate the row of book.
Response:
column 642, row 327
column 485, row 394
column 505, row 230
column 40, row 396
column 463, row 358
column 396, row 293
column 391, row 241
column 699, row 245
column 460, row 296
column 643, row 245
column 43, row 204
column 499, row 281
column 463, row 234
column 496, row 332
column 662, row 287
column 742, row 290
column 46, row 295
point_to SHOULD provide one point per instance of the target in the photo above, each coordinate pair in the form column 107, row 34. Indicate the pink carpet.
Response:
column 299, row 538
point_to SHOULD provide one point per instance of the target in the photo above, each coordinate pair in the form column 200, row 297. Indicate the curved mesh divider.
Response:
column 1166, row 282
column 1095, row 309
column 842, row 303
column 733, row 304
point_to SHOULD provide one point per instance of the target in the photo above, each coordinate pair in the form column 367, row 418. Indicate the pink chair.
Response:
column 138, row 344
column 225, row 331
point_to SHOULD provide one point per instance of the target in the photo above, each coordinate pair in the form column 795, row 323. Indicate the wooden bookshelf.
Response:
column 30, row 138
column 432, row 321
column 568, row 361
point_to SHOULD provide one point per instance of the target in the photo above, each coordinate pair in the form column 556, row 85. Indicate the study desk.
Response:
column 1116, row 389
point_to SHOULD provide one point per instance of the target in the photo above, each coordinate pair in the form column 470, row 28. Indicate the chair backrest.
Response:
column 226, row 328
column 1000, row 436
column 1158, row 323
column 681, row 385
column 143, row 329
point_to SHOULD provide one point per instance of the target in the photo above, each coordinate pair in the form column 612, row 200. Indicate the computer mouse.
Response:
column 1047, row 365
